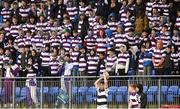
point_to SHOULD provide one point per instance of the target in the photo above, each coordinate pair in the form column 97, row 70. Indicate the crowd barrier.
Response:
column 44, row 92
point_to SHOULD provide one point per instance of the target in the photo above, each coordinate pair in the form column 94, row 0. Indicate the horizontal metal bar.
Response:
column 134, row 76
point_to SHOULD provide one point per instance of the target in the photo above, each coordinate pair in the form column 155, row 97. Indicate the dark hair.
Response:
column 101, row 82
column 68, row 55
column 140, row 87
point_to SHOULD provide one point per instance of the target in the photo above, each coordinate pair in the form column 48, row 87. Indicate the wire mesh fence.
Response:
column 79, row 92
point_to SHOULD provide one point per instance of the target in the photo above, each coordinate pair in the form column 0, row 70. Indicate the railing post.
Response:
column 128, row 92
column 13, row 95
column 41, row 94
column 70, row 94
column 159, row 92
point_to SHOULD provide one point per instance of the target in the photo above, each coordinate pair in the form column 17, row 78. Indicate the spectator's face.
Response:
column 82, row 17
column 6, row 5
column 113, row 1
column 33, row 6
column 75, row 34
column 111, row 53
column 172, row 48
column 32, row 20
column 159, row 44
column 147, row 45
column 54, row 33
column 101, row 56
column 124, row 3
column 1, row 37
column 66, row 34
column 7, row 52
column 14, row 21
column 100, row 21
column 130, row 1
column 142, row 49
column 101, row 33
column 132, row 90
column 23, row 3
column 178, row 13
column 46, row 48
column 130, row 33
column 138, row 2
column 164, row 29
column 7, row 24
column 67, row 58
column 1, row 51
column 15, row 6
column 33, row 53
column 144, row 34
column 20, row 33
column 176, row 33
column 155, row 11
column 119, row 29
column 30, row 61
column 60, row 2
column 163, row 1
column 82, row 4
column 70, row 4
column 153, row 33
column 27, row 49
column 48, row 2
column 41, row 18
column 42, row 5
column 51, row 21
column 22, row 50
column 168, row 50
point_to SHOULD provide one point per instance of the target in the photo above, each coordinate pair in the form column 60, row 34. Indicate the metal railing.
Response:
column 17, row 92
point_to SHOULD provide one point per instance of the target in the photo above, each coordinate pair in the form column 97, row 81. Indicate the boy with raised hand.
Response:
column 102, row 91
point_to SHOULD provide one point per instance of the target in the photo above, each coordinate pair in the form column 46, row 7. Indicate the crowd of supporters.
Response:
column 89, row 37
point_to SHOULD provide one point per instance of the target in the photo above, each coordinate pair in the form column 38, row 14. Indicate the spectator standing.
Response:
column 92, row 62
column 114, row 7
column 101, row 42
column 101, row 67
column 119, row 38
column 45, row 57
column 122, row 64
column 66, row 71
column 60, row 10
column 15, row 10
column 110, row 62
column 90, row 41
column 6, row 11
column 174, row 59
column 158, row 58
column 167, row 61
column 176, row 38
column 31, row 82
column 14, row 27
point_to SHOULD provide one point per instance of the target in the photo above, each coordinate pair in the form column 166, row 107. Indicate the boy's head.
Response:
column 159, row 44
column 1, row 51
column 101, row 85
column 164, row 28
column 168, row 49
column 101, row 55
column 67, row 57
column 140, row 88
column 143, row 47
column 132, row 88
